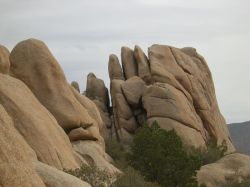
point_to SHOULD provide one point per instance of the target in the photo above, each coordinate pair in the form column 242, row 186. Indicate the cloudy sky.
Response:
column 82, row 33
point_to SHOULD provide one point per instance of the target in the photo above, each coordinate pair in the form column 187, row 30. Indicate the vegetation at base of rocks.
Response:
column 244, row 183
column 160, row 156
column 211, row 154
column 92, row 175
column 156, row 158
column 130, row 178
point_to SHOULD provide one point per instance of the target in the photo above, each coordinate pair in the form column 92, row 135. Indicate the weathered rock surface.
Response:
column 98, row 93
column 133, row 89
column 94, row 155
column 234, row 167
column 4, row 60
column 36, row 124
column 128, row 62
column 114, row 67
column 75, row 85
column 53, row 177
column 178, row 92
column 32, row 62
column 142, row 64
column 16, row 157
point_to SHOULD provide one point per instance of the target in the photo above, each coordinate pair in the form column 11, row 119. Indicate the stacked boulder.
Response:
column 171, row 86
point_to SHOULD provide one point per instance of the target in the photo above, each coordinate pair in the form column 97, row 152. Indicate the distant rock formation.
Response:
column 240, row 136
column 171, row 86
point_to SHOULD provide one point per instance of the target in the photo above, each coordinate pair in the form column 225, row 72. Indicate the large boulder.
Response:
column 16, row 156
column 133, row 89
column 36, row 124
column 233, row 167
column 143, row 65
column 114, row 67
column 128, row 62
column 4, row 60
column 32, row 62
column 94, row 155
column 53, row 177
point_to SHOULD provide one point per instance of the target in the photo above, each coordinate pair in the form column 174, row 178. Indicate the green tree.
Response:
column 160, row 156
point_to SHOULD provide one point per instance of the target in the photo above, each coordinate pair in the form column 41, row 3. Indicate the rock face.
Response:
column 16, row 167
column 32, row 62
column 231, row 167
column 98, row 93
column 4, row 60
column 35, row 123
column 173, row 87
column 56, row 178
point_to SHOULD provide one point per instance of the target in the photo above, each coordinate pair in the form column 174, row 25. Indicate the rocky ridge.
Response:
column 47, row 125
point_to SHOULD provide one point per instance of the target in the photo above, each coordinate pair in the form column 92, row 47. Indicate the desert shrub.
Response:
column 159, row 155
column 92, row 175
column 212, row 153
column 117, row 152
column 130, row 178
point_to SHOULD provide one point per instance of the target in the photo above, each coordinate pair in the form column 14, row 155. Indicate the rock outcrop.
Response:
column 172, row 86
column 36, row 124
column 16, row 156
column 98, row 93
column 233, row 167
column 33, row 63
column 4, row 60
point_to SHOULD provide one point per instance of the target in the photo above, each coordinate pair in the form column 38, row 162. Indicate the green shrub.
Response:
column 132, row 178
column 159, row 155
column 117, row 152
column 211, row 154
column 92, row 175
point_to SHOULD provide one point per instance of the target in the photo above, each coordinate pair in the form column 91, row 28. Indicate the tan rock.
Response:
column 32, row 62
column 143, row 65
column 163, row 100
column 75, row 85
column 4, row 60
column 94, row 154
column 133, row 89
column 115, row 70
column 234, row 166
column 96, row 89
column 81, row 134
column 128, row 62
column 188, row 72
column 36, row 124
column 97, row 127
column 53, row 177
column 16, row 157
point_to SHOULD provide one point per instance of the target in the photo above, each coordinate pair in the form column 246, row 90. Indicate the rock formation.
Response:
column 47, row 125
column 4, row 60
column 98, row 93
column 171, row 86
column 233, row 167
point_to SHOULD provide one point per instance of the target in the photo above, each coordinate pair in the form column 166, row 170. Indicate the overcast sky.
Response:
column 82, row 33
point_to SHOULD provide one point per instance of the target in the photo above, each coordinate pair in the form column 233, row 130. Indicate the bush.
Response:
column 92, row 175
column 130, row 178
column 212, row 153
column 117, row 152
column 159, row 155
